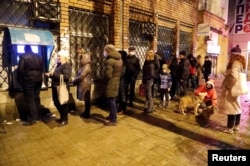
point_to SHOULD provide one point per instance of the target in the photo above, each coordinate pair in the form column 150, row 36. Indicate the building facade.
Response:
column 166, row 26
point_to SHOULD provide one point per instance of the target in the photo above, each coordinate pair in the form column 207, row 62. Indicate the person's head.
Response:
column 182, row 54
column 236, row 50
column 210, row 84
column 108, row 49
column 62, row 56
column 27, row 48
column 165, row 68
column 131, row 51
column 80, row 51
column 206, row 58
column 150, row 55
column 123, row 55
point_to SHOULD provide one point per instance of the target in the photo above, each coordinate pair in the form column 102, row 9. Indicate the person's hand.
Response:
column 48, row 74
column 181, row 80
column 168, row 89
column 202, row 93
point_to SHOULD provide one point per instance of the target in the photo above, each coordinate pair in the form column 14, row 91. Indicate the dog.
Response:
column 191, row 101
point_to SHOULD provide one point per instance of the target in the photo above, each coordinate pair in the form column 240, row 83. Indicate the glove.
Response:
column 202, row 94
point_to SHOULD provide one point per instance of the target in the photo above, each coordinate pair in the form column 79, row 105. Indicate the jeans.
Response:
column 31, row 91
column 149, row 96
column 112, row 109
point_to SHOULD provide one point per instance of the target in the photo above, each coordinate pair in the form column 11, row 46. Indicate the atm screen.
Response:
column 20, row 49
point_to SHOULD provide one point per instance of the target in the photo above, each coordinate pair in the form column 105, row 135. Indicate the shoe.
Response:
column 109, row 123
column 121, row 112
column 148, row 112
column 228, row 131
column 58, row 120
column 29, row 123
column 84, row 116
column 62, row 123
column 236, row 128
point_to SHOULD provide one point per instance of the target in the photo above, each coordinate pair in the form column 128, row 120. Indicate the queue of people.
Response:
column 121, row 72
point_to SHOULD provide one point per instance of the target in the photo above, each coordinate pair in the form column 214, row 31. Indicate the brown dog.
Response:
column 191, row 101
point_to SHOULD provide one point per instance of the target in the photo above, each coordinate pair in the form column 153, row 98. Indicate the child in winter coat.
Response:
column 165, row 85
column 210, row 101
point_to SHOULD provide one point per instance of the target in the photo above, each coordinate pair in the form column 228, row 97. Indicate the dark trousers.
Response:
column 233, row 120
column 31, row 91
column 149, row 96
column 112, row 109
column 174, row 86
column 182, row 88
column 62, row 109
column 130, row 89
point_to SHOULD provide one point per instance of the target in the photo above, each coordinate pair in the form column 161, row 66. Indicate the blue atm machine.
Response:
column 42, row 44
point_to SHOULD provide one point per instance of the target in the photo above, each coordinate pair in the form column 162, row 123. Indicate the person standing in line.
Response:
column 174, row 75
column 29, row 75
column 231, row 104
column 165, row 84
column 148, row 75
column 83, row 82
column 183, row 72
column 122, row 96
column 132, row 72
column 63, row 67
column 207, row 68
column 199, row 70
column 113, row 69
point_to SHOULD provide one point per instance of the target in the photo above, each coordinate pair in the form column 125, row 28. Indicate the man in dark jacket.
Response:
column 183, row 72
column 207, row 68
column 29, row 75
column 132, row 71
column 113, row 69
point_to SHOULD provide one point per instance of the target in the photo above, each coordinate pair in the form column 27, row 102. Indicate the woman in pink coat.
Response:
column 231, row 105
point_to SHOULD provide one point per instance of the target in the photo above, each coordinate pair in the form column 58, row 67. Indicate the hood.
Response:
column 211, row 82
column 115, row 55
column 85, row 58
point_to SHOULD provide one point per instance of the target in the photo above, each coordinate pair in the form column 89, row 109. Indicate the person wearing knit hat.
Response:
column 231, row 104
column 209, row 105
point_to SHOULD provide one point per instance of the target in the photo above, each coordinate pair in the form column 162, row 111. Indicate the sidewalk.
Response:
column 163, row 138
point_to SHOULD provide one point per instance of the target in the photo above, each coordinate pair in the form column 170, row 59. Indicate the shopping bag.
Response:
column 62, row 91
column 240, row 88
column 142, row 90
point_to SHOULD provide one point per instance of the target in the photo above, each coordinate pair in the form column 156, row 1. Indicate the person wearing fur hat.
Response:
column 165, row 85
column 231, row 105
column 210, row 100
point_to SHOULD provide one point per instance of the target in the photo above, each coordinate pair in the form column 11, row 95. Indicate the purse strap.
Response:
column 61, row 79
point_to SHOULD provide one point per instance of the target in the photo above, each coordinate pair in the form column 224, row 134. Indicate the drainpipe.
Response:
column 121, row 16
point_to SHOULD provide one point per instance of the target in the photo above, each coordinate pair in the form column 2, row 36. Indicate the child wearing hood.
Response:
column 210, row 100
column 165, row 85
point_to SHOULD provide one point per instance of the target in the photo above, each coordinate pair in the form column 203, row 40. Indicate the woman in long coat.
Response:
column 231, row 104
column 113, row 69
column 83, row 82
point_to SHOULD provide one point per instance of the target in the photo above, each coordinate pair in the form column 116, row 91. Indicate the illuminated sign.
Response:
column 242, row 17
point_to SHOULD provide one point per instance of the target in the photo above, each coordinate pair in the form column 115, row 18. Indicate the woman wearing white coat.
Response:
column 231, row 105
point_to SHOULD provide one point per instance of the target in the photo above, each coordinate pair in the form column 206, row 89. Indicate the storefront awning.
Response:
column 30, row 36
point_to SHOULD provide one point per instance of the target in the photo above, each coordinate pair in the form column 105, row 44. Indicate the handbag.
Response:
column 240, row 87
column 62, row 91
column 142, row 90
